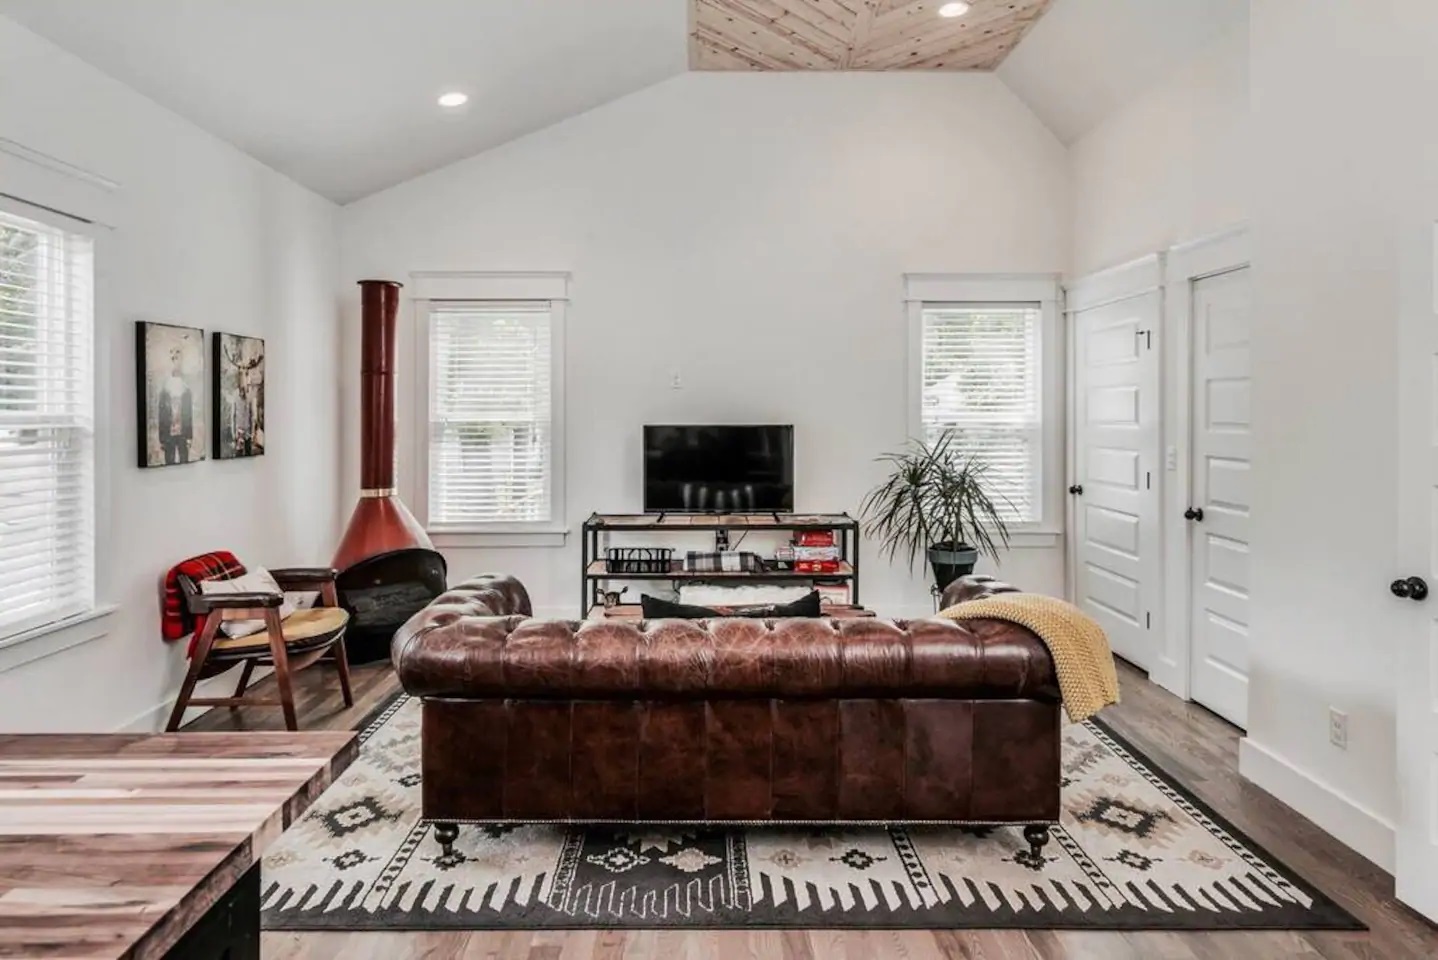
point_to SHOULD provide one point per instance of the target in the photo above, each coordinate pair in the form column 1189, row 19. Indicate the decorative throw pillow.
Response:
column 655, row 608
column 258, row 580
column 806, row 606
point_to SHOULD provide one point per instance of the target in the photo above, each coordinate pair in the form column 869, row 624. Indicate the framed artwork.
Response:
column 239, row 372
column 170, row 388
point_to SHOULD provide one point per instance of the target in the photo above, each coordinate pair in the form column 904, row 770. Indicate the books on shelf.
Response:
column 816, row 553
column 816, row 566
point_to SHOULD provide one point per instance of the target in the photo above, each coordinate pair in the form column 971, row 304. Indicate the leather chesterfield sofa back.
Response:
column 857, row 720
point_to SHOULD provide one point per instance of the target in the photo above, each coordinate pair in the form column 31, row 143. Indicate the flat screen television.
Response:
column 718, row 469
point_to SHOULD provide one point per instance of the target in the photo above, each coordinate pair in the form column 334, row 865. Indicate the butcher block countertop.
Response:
column 114, row 845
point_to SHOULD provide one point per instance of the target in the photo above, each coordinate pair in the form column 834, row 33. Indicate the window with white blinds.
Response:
column 981, row 372
column 491, row 415
column 47, row 441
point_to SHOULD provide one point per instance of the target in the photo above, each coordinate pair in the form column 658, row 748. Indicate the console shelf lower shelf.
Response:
column 633, row 612
column 599, row 570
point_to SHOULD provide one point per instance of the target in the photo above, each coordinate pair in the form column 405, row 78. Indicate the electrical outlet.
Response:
column 1338, row 728
column 1170, row 458
column 676, row 382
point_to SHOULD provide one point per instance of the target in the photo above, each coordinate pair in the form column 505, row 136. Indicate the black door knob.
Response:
column 1076, row 489
column 1412, row 588
column 1193, row 513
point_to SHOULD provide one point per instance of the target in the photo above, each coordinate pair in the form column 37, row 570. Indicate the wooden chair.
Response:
column 303, row 638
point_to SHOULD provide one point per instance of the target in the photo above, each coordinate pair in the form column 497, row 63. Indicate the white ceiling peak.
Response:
column 1087, row 58
column 341, row 95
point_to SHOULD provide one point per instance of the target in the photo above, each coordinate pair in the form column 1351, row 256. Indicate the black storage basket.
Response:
column 639, row 559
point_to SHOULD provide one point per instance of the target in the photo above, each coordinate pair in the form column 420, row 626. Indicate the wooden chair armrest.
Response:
column 203, row 604
column 304, row 578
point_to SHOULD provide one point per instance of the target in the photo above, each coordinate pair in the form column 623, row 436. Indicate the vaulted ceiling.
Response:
column 340, row 94
column 855, row 34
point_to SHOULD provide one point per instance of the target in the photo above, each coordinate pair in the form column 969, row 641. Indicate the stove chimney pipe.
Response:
column 380, row 523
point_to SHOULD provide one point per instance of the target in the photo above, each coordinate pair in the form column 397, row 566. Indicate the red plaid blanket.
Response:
column 176, row 621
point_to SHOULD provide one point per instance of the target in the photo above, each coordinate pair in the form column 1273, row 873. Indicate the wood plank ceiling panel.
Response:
column 855, row 34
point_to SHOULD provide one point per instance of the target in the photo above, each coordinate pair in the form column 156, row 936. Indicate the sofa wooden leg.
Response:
column 446, row 834
column 1037, row 834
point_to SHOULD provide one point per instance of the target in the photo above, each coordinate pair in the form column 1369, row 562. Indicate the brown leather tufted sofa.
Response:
column 729, row 720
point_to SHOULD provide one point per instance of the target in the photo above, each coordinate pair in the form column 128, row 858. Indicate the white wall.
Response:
column 749, row 232
column 205, row 237
column 1344, row 194
column 1169, row 167
column 1298, row 125
column 1172, row 165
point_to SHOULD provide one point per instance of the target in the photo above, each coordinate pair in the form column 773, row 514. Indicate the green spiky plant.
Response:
column 936, row 498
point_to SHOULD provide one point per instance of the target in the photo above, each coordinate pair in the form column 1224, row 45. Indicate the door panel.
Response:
column 1416, row 847
column 1219, row 551
column 1116, row 419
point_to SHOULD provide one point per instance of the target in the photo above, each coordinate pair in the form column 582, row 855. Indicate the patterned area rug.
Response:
column 1134, row 852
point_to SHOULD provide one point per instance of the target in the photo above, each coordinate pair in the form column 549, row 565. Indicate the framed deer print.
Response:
column 239, row 372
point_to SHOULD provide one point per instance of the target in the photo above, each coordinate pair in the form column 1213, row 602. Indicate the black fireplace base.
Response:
column 382, row 592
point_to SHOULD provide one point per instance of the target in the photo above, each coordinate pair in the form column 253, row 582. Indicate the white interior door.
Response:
column 1116, row 496
column 1414, row 574
column 1219, row 493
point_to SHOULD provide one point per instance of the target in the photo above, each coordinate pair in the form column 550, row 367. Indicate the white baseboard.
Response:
column 1349, row 822
column 154, row 719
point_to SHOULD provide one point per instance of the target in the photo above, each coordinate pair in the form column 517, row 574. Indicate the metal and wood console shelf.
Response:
column 595, row 569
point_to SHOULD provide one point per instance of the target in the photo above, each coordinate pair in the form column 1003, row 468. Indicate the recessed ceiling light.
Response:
column 453, row 99
column 956, row 9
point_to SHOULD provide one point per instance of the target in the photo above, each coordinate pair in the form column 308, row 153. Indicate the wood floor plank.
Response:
column 1188, row 742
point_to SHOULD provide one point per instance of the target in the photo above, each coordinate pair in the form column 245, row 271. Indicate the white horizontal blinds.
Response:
column 46, row 424
column 490, row 407
column 981, row 380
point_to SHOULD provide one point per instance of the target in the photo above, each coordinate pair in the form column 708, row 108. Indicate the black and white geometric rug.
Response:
column 1134, row 852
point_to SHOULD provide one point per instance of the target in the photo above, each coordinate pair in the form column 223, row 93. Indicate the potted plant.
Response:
column 938, row 500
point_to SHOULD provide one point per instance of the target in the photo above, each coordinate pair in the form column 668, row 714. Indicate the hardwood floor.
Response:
column 1186, row 740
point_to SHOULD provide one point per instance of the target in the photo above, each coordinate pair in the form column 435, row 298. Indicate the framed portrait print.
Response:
column 170, row 388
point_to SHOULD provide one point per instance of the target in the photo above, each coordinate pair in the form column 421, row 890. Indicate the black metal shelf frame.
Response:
column 591, row 584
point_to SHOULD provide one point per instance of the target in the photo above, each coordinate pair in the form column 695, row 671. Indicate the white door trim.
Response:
column 1185, row 264
column 1110, row 285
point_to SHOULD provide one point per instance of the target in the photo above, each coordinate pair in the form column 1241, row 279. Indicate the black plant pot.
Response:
column 950, row 562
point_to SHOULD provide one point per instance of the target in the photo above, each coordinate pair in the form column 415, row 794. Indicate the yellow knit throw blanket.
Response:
column 1082, row 659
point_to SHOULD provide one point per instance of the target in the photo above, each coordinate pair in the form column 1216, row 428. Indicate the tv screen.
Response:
column 718, row 469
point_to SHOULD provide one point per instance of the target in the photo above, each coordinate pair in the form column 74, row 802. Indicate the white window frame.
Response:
column 447, row 287
column 925, row 290
column 49, row 189
column 89, row 608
